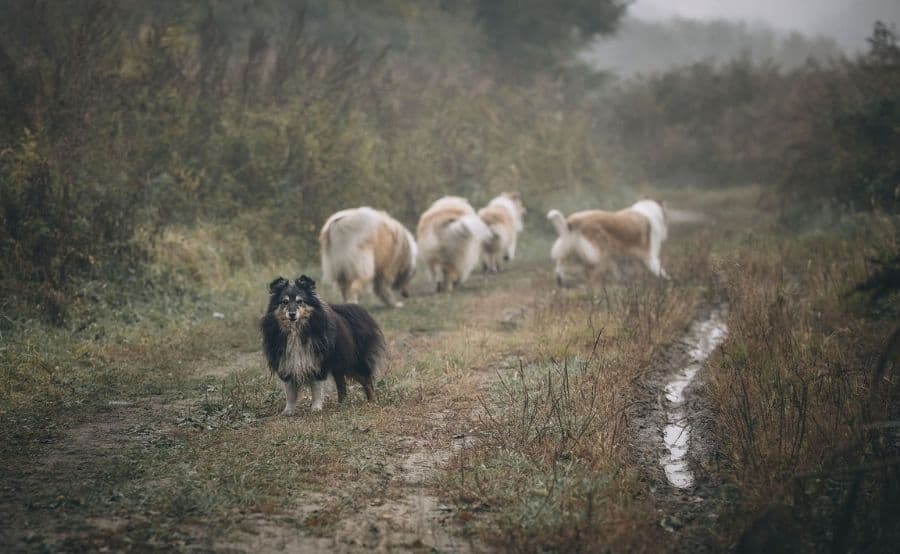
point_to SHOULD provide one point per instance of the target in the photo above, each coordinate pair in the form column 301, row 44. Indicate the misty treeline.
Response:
column 822, row 135
column 640, row 46
column 121, row 119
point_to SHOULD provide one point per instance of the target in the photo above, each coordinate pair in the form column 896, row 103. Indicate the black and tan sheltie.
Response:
column 305, row 340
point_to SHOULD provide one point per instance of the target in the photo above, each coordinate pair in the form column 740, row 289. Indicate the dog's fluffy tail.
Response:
column 471, row 225
column 559, row 222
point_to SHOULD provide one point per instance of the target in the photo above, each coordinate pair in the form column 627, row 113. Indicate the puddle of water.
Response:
column 702, row 339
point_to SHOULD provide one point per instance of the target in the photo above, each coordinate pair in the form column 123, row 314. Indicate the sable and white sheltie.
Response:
column 364, row 248
column 592, row 242
column 503, row 216
column 305, row 340
column 450, row 236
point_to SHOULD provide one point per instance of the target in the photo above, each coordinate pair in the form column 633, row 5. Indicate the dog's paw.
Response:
column 317, row 407
column 398, row 304
column 288, row 412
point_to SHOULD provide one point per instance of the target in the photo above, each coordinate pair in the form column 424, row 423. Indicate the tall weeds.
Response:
column 798, row 407
column 554, row 452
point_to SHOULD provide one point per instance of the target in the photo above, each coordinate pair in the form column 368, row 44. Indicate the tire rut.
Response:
column 671, row 433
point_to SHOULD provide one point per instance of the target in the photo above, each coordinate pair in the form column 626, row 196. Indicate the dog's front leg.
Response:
column 290, row 390
column 318, row 394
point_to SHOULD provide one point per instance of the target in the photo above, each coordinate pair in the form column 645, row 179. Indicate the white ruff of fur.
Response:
column 299, row 360
column 469, row 233
column 575, row 243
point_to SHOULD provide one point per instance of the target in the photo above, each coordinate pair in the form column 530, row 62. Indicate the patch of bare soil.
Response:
column 408, row 515
column 672, row 441
column 400, row 511
column 227, row 362
column 63, row 473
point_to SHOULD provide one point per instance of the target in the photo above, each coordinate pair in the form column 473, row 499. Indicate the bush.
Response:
column 843, row 146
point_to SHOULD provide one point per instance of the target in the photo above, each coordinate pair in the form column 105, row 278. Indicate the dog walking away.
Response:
column 503, row 216
column 593, row 242
column 364, row 248
column 305, row 340
column 451, row 236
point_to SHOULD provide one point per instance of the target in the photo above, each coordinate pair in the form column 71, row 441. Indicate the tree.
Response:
column 535, row 33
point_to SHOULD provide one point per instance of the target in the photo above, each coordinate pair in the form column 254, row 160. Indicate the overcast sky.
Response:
column 850, row 21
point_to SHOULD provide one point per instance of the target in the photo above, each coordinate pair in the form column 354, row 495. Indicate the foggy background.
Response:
column 845, row 20
column 656, row 34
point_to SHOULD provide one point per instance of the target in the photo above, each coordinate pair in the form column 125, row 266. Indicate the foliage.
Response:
column 843, row 149
column 541, row 32
column 126, row 120
column 700, row 123
column 803, row 416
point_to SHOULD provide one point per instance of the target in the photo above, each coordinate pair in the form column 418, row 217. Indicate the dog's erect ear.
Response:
column 305, row 282
column 277, row 285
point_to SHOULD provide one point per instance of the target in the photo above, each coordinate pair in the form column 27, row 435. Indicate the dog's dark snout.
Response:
column 292, row 316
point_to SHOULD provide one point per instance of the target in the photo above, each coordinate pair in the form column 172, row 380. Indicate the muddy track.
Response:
column 400, row 512
column 672, row 439
column 401, row 509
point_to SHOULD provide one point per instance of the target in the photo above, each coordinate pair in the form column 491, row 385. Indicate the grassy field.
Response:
column 503, row 413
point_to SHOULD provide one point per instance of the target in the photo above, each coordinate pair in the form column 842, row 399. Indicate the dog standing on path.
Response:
column 306, row 340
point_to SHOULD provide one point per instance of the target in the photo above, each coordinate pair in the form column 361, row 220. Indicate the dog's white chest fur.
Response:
column 299, row 359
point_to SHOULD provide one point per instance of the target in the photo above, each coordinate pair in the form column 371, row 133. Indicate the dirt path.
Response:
column 409, row 515
column 400, row 512
column 397, row 508
column 403, row 511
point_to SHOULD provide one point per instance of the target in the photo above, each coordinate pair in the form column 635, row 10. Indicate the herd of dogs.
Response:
column 306, row 339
